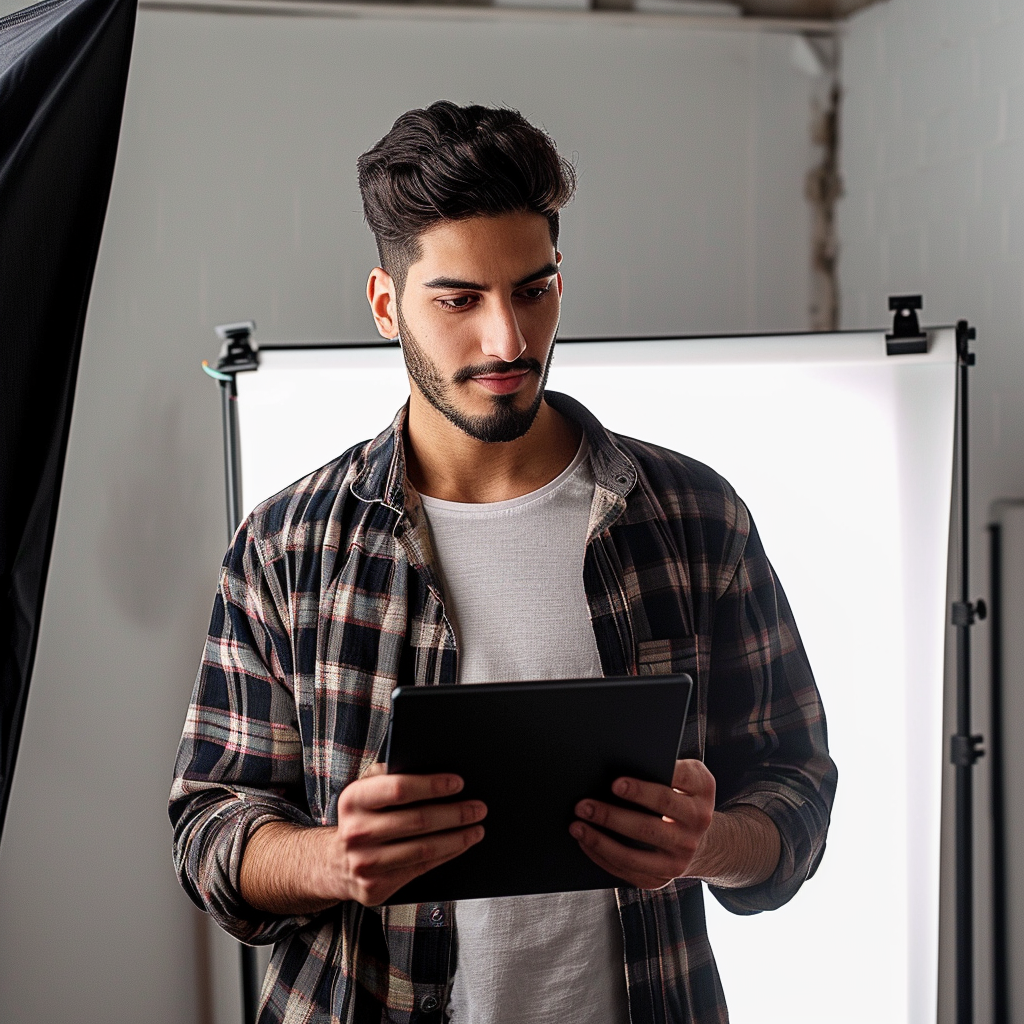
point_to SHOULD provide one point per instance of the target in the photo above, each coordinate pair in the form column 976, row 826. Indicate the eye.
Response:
column 535, row 292
column 457, row 302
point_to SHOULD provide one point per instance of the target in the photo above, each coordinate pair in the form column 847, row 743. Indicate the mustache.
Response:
column 483, row 369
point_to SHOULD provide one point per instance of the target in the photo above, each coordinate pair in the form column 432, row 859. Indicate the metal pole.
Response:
column 964, row 793
column 238, row 354
column 1000, row 974
column 232, row 454
column 964, row 746
column 233, row 492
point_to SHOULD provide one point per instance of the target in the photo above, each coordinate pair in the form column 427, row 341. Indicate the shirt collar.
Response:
column 613, row 469
column 381, row 477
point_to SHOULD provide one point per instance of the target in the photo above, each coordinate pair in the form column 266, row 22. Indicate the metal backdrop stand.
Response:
column 965, row 746
column 238, row 354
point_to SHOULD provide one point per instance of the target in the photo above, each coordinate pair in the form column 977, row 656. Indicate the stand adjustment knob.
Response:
column 964, row 613
column 965, row 750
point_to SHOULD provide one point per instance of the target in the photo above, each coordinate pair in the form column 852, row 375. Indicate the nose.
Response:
column 502, row 338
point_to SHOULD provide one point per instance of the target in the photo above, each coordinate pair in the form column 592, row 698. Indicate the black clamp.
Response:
column 966, row 614
column 907, row 338
column 964, row 751
column 965, row 334
column 239, row 352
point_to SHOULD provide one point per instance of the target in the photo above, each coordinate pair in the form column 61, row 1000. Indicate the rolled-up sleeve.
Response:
column 767, row 743
column 239, row 763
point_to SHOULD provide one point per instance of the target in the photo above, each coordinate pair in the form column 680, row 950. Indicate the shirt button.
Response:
column 428, row 1004
column 437, row 916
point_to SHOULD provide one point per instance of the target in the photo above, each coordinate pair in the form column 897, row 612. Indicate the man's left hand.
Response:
column 685, row 808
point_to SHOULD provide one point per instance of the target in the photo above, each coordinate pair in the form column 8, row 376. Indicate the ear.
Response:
column 558, row 276
column 383, row 299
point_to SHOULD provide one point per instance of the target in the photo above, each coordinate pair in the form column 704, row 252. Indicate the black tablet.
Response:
column 531, row 751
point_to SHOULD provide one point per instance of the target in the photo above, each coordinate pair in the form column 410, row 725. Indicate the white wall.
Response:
column 234, row 197
column 933, row 160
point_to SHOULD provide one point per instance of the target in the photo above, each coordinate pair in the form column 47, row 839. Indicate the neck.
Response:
column 444, row 462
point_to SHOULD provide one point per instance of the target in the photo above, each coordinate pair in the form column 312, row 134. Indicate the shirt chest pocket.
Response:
column 669, row 656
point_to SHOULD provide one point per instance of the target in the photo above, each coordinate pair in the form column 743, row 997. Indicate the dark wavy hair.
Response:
column 448, row 162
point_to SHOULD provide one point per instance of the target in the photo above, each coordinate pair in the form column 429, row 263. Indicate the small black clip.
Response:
column 965, row 750
column 966, row 614
column 239, row 352
column 907, row 338
column 965, row 334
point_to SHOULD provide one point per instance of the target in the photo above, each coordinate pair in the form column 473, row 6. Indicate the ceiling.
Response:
column 820, row 10
column 829, row 9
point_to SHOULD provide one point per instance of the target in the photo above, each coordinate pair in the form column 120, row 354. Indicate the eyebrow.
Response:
column 548, row 270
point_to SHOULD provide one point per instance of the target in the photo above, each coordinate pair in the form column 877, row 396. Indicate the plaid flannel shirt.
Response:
column 328, row 600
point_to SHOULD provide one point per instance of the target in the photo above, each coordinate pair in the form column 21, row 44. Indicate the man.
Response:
column 494, row 531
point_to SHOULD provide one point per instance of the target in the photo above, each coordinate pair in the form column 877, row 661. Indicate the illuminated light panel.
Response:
column 844, row 457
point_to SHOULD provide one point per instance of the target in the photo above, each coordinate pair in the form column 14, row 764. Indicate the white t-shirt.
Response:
column 513, row 573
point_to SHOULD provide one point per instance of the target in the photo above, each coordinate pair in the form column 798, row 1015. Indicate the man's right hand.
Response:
column 390, row 830
column 380, row 844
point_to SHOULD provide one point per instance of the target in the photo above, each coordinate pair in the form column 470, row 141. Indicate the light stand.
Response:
column 238, row 353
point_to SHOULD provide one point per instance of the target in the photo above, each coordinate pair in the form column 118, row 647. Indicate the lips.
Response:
column 502, row 383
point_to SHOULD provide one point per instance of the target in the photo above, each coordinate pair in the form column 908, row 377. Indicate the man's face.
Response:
column 477, row 319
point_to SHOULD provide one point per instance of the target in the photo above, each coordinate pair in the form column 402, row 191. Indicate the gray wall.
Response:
column 234, row 197
column 933, row 160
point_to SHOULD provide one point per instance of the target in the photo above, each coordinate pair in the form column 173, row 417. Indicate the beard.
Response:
column 504, row 422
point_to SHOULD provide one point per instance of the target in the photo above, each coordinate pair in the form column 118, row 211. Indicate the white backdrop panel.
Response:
column 844, row 456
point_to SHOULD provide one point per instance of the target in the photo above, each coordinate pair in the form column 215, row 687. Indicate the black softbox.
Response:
column 63, row 72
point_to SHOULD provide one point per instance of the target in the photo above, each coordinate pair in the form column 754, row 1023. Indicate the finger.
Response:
column 652, row 795
column 618, row 860
column 640, row 881
column 639, row 825
column 415, row 853
column 386, row 826
column 626, row 862
column 373, row 792
column 666, row 801
column 692, row 777
column 381, row 887
column 377, row 768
